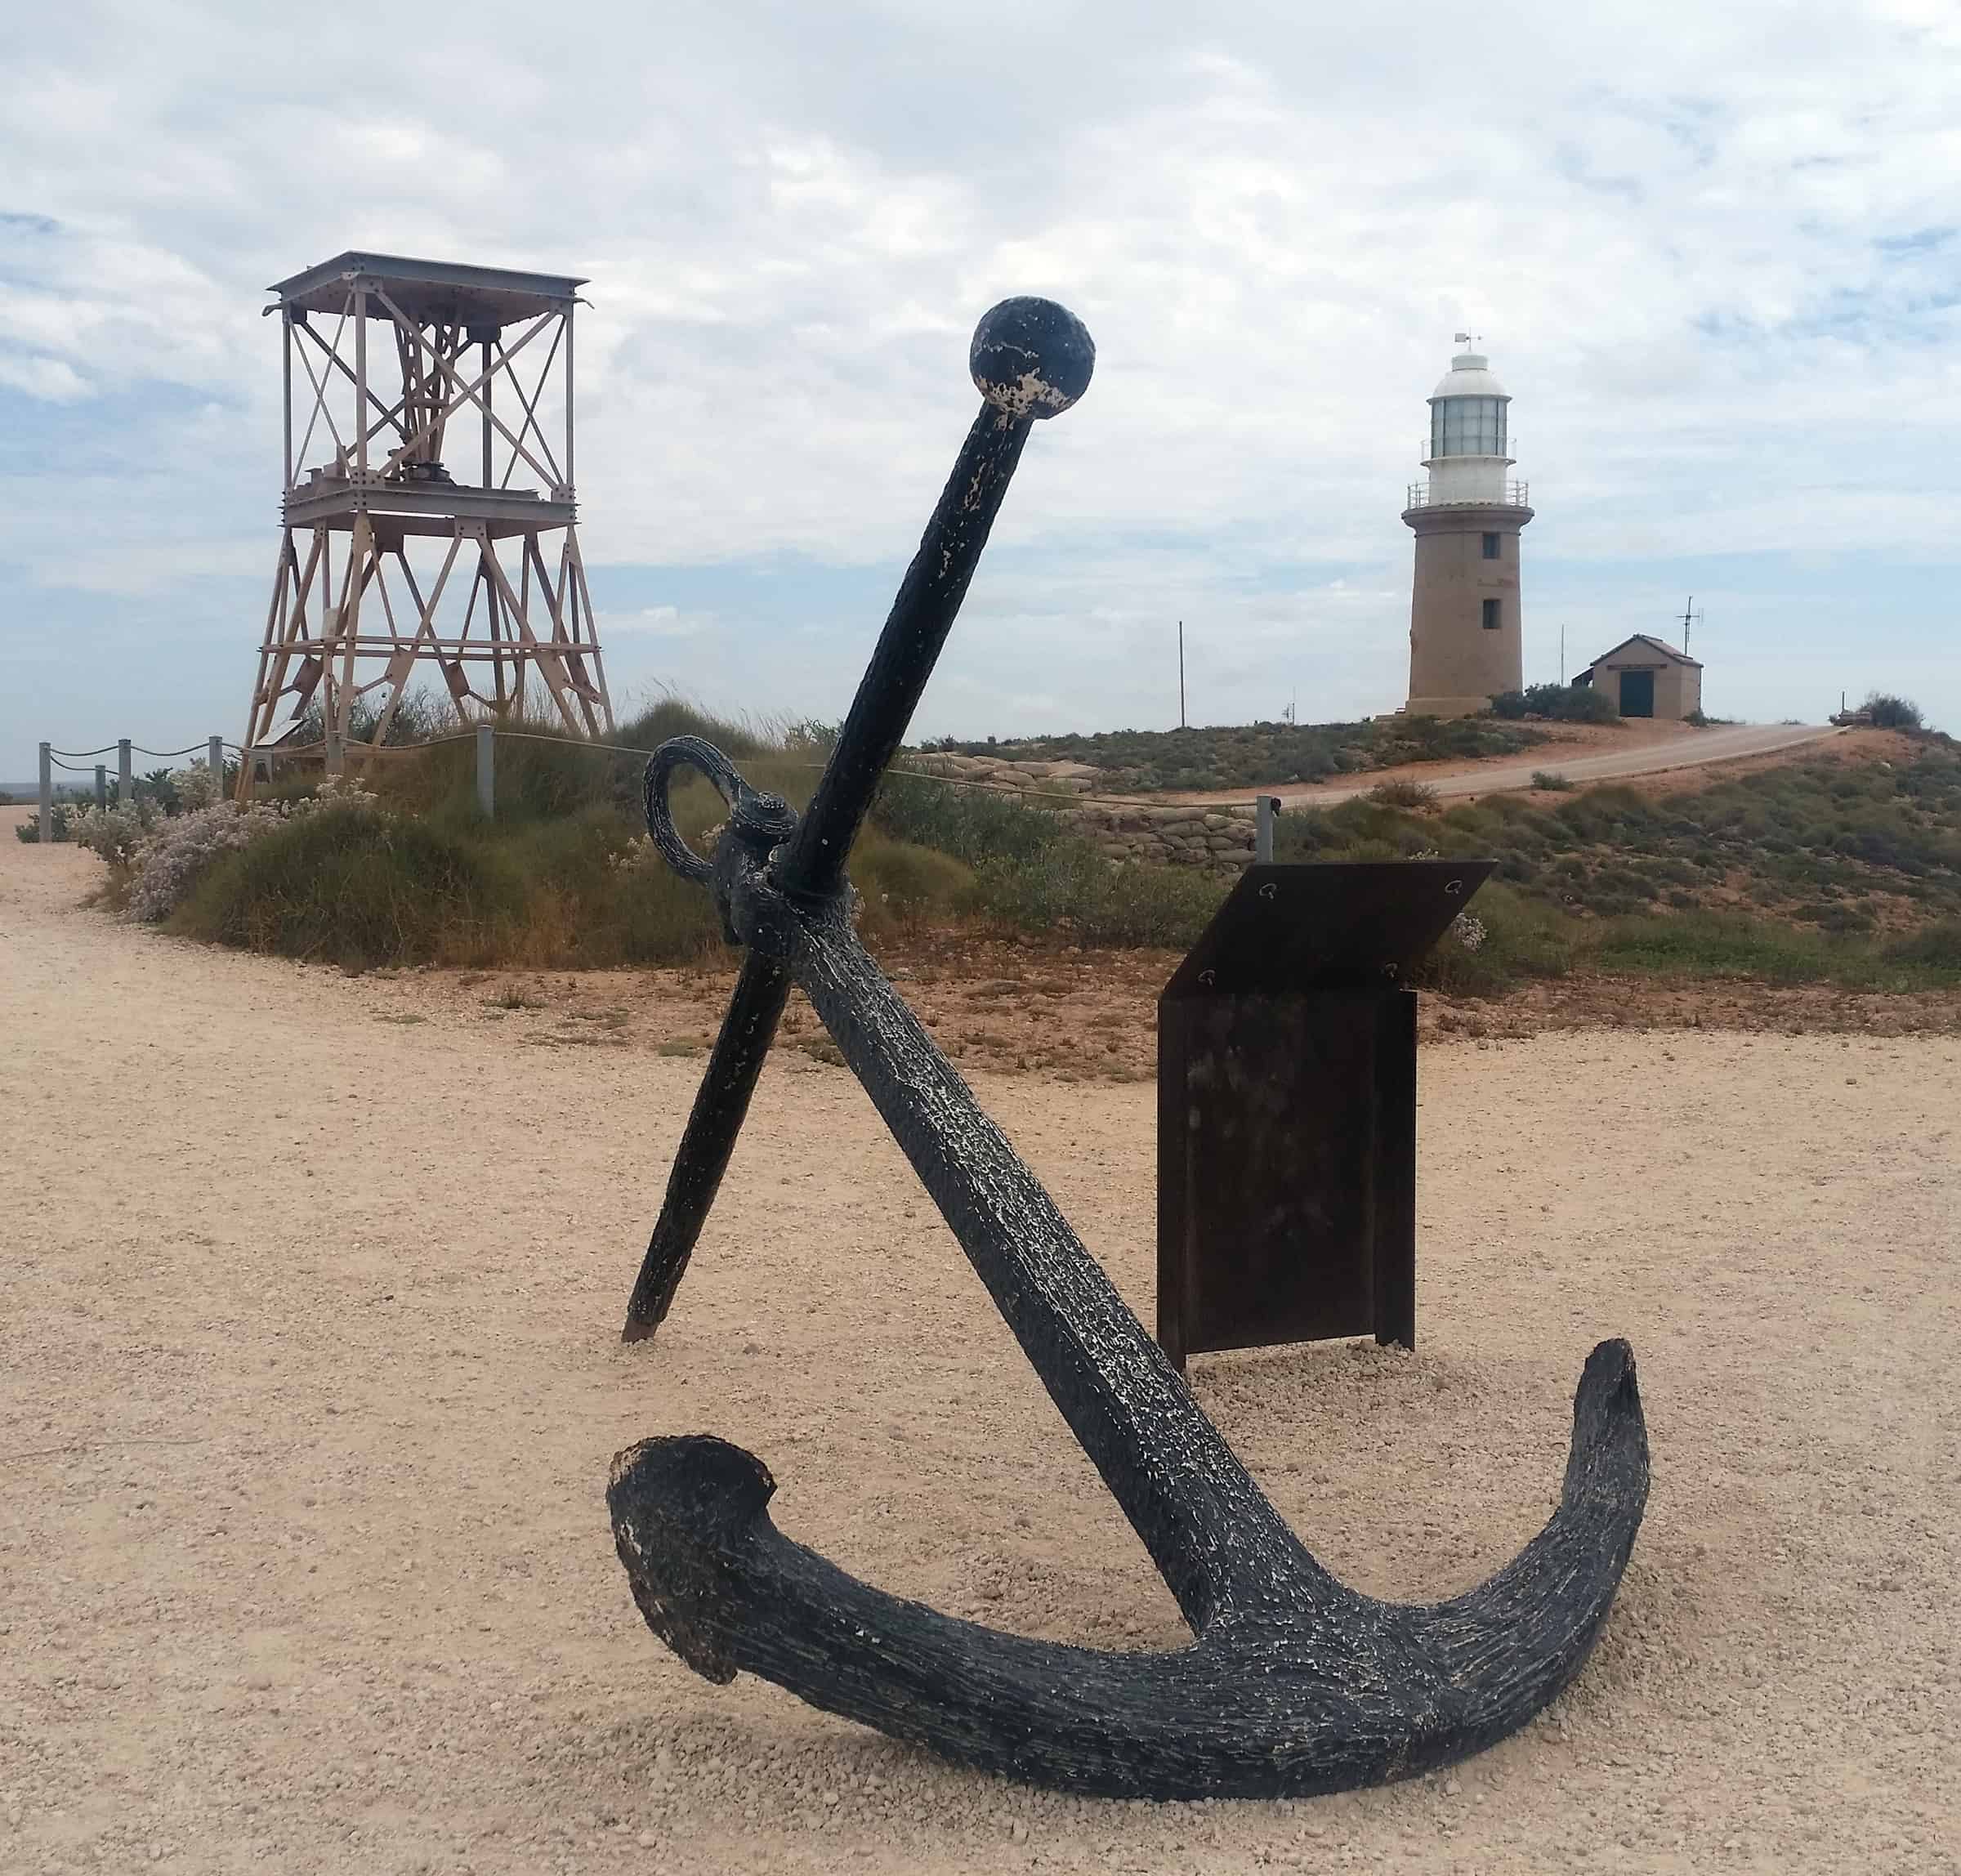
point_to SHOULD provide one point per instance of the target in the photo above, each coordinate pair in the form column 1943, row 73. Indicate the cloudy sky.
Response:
column 1711, row 246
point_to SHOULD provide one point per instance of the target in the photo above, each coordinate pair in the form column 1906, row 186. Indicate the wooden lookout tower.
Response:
column 429, row 513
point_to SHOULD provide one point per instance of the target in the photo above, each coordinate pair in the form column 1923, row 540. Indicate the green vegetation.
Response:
column 563, row 876
column 28, row 829
column 1889, row 713
column 1155, row 761
column 356, row 887
column 1404, row 794
column 1070, row 891
column 1814, row 873
column 1551, row 782
column 1560, row 702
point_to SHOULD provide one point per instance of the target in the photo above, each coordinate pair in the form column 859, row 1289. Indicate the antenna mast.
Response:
column 1690, row 617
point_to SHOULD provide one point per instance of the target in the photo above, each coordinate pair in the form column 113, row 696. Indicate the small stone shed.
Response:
column 1645, row 678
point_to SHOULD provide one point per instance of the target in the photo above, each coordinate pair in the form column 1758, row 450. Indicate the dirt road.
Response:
column 1651, row 749
column 311, row 1291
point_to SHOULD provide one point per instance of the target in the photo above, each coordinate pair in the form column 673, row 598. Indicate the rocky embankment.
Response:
column 1174, row 836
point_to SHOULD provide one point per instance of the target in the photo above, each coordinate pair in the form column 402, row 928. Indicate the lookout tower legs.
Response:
column 387, row 560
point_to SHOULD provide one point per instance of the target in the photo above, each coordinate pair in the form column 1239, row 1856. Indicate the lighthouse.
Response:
column 1465, row 643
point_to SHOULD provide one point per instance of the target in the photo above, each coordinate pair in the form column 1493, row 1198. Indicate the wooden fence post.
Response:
column 47, row 793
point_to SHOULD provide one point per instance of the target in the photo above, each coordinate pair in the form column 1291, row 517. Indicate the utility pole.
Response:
column 1690, row 617
column 1563, row 658
column 1181, row 674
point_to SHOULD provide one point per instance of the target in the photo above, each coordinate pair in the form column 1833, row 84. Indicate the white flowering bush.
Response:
column 196, row 787
column 166, row 866
column 337, row 791
column 1469, row 931
column 639, row 853
column 112, row 833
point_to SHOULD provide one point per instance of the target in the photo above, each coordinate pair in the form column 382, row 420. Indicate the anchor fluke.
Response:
column 1321, row 1691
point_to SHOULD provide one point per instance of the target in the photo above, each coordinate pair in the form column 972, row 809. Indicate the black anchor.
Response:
column 1295, row 1683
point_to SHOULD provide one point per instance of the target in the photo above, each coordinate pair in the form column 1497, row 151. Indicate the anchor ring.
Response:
column 753, row 813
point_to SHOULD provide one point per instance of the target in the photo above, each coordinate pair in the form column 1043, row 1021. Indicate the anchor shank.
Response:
column 1209, row 1528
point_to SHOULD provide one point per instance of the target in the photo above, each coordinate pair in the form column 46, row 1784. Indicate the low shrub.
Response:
column 1070, row 891
column 114, row 833
column 1549, row 781
column 1937, row 947
column 1403, row 794
column 1155, row 760
column 972, row 824
column 1560, row 703
column 166, row 869
column 357, row 887
column 28, row 829
column 902, row 883
column 1716, row 944
column 1891, row 713
column 1517, row 939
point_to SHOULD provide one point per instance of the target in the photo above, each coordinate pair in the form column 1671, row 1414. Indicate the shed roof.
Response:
column 1647, row 642
column 432, row 290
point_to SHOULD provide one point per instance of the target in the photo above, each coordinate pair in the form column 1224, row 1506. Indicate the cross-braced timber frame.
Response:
column 500, row 609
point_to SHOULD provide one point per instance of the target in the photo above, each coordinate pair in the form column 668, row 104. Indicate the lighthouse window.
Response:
column 1491, row 618
column 1467, row 427
column 1491, row 547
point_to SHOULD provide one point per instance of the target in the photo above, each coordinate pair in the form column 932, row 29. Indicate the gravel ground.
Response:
column 311, row 1383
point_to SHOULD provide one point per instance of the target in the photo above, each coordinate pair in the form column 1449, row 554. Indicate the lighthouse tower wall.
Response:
column 1466, row 641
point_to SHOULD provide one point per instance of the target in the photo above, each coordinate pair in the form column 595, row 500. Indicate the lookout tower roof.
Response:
column 435, row 292
column 1470, row 375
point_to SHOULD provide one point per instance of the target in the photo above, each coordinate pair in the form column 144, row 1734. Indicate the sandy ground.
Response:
column 311, row 1385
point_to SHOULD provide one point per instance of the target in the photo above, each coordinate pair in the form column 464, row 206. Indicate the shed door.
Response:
column 1638, row 693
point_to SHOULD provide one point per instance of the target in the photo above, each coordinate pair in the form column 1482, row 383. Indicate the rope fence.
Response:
column 125, row 749
column 485, row 736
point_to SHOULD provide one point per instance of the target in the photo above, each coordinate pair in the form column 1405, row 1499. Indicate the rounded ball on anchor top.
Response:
column 1031, row 358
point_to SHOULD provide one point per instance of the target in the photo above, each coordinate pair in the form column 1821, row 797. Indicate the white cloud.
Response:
column 661, row 622
column 1713, row 251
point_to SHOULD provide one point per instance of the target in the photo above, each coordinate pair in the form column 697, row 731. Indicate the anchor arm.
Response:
column 1327, row 1695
